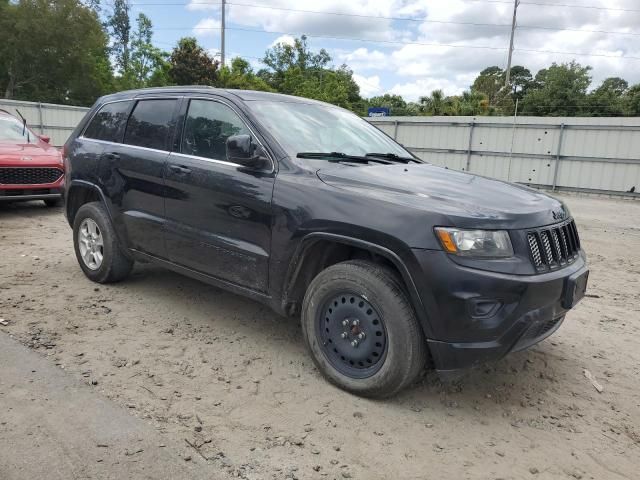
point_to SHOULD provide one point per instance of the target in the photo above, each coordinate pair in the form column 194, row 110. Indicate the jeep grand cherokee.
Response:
column 392, row 263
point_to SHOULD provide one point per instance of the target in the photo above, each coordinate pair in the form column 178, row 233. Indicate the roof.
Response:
column 246, row 95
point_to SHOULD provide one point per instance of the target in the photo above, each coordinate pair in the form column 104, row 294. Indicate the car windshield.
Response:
column 11, row 131
column 311, row 127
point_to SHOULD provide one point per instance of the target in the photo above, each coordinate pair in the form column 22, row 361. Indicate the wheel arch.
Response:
column 79, row 193
column 320, row 250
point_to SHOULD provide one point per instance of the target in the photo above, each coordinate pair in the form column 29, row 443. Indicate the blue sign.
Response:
column 378, row 112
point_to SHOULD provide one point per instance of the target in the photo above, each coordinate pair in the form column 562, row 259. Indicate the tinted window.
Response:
column 207, row 128
column 150, row 124
column 109, row 122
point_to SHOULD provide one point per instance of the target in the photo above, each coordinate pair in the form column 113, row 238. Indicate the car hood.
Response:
column 28, row 154
column 461, row 199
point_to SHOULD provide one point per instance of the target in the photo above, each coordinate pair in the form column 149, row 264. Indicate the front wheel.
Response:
column 361, row 329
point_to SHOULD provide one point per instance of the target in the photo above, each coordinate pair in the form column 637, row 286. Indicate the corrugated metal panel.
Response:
column 589, row 153
column 55, row 121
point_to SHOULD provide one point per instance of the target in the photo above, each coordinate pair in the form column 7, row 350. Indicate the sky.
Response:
column 411, row 47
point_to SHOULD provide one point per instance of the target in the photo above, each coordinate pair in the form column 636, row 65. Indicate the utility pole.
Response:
column 513, row 31
column 222, row 35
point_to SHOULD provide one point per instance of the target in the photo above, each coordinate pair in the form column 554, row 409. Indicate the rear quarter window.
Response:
column 108, row 124
column 150, row 124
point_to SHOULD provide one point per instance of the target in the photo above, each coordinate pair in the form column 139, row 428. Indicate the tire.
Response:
column 53, row 202
column 375, row 371
column 114, row 265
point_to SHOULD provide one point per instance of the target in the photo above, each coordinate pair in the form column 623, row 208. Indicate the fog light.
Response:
column 483, row 307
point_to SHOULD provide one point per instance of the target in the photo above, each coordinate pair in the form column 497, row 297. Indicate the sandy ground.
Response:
column 234, row 380
column 55, row 428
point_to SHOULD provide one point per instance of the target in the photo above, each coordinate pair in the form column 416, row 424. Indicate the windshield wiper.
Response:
column 392, row 156
column 24, row 126
column 340, row 157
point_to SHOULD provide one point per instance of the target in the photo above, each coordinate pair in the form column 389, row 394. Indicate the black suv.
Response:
column 392, row 263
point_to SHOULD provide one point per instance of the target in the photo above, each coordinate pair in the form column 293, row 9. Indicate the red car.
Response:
column 30, row 168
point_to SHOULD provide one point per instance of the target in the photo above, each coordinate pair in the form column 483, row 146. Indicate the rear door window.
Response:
column 108, row 124
column 151, row 123
column 207, row 127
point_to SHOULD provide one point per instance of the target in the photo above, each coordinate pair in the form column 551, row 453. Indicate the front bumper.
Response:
column 17, row 193
column 476, row 316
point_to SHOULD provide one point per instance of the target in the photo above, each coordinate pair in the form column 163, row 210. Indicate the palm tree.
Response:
column 434, row 104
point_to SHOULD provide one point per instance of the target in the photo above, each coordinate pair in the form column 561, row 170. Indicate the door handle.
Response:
column 111, row 156
column 180, row 169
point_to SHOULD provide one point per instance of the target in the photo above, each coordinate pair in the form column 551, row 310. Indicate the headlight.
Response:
column 475, row 243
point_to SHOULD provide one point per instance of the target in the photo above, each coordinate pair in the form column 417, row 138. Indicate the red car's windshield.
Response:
column 12, row 131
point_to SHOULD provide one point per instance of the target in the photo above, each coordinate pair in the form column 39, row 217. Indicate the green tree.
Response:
column 296, row 70
column 42, row 60
column 521, row 80
column 608, row 99
column 284, row 58
column 148, row 64
column 119, row 25
column 190, row 64
column 241, row 76
column 632, row 101
column 434, row 104
column 490, row 82
column 560, row 90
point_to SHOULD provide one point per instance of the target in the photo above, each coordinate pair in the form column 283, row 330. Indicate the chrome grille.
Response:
column 29, row 176
column 555, row 246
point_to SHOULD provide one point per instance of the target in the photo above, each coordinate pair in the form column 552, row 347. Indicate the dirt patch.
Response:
column 234, row 380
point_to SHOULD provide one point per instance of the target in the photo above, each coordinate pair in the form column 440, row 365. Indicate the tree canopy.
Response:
column 109, row 51
column 43, row 61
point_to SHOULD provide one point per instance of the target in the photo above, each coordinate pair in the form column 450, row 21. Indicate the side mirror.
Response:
column 242, row 150
column 44, row 138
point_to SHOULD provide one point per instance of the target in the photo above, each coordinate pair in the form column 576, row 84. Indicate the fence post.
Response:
column 395, row 129
column 40, row 118
column 555, row 172
column 473, row 124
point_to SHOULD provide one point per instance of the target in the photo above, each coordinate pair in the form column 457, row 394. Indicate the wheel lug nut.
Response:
column 361, row 336
column 356, row 322
column 344, row 335
column 345, row 322
column 354, row 343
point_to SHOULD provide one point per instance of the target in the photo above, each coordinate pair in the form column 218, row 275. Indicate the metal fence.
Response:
column 55, row 121
column 566, row 153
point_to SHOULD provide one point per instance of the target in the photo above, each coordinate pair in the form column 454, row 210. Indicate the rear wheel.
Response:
column 361, row 329
column 96, row 245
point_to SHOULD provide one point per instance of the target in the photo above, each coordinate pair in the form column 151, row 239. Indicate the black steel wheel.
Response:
column 361, row 329
column 353, row 336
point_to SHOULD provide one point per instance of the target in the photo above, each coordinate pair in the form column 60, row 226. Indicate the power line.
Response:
column 590, row 7
column 397, row 42
column 404, row 19
column 577, row 54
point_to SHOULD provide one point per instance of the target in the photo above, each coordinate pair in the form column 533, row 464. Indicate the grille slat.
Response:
column 556, row 245
column 535, row 249
column 547, row 247
column 553, row 247
column 29, row 176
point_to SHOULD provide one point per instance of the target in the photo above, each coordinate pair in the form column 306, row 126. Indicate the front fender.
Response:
column 404, row 261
